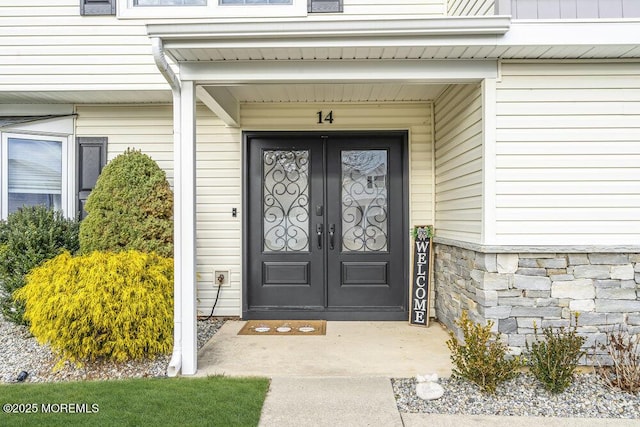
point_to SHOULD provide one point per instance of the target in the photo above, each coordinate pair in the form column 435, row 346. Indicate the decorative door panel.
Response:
column 285, row 262
column 324, row 235
column 365, row 188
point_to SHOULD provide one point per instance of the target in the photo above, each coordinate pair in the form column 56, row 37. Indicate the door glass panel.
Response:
column 286, row 200
column 364, row 200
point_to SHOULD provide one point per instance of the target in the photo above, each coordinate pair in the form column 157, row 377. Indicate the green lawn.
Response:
column 212, row 401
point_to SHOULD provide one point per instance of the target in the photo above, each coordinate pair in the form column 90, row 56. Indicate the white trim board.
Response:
column 414, row 71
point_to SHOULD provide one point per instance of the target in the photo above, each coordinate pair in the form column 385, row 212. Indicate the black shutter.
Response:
column 98, row 7
column 91, row 158
column 324, row 6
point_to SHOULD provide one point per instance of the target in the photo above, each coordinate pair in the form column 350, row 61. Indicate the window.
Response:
column 34, row 172
column 169, row 2
column 224, row 2
column 175, row 9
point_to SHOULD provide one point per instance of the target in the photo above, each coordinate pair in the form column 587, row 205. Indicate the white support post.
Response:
column 489, row 111
column 185, row 223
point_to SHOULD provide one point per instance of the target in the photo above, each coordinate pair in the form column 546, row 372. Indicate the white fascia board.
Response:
column 221, row 102
column 307, row 28
column 572, row 33
column 344, row 71
column 334, row 42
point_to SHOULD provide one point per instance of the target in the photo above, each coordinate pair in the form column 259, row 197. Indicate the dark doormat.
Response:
column 284, row 327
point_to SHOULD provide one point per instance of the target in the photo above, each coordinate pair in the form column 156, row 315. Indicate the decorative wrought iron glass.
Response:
column 286, row 200
column 364, row 200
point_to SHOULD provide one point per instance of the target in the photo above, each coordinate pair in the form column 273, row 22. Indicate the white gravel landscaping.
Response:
column 587, row 397
column 19, row 351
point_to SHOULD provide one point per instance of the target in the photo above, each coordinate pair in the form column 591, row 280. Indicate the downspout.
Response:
column 174, row 82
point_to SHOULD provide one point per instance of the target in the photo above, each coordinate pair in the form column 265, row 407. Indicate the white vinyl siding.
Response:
column 45, row 45
column 218, row 233
column 458, row 157
column 470, row 7
column 568, row 154
column 145, row 127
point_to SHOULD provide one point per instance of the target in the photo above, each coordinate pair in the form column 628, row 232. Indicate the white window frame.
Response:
column 126, row 10
column 66, row 198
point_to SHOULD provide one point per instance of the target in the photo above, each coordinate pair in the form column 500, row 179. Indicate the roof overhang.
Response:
column 272, row 57
column 484, row 37
column 286, row 59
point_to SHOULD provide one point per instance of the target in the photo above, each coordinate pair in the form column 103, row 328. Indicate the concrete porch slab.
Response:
column 349, row 349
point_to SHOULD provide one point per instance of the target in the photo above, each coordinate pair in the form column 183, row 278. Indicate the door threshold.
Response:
column 326, row 315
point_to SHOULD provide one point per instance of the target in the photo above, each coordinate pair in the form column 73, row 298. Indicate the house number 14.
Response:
column 325, row 119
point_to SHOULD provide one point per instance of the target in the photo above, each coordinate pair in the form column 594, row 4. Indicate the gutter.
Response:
column 159, row 56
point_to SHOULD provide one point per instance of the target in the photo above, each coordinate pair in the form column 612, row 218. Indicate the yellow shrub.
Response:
column 117, row 306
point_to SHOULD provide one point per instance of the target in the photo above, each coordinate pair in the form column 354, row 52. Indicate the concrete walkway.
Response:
column 342, row 379
column 330, row 402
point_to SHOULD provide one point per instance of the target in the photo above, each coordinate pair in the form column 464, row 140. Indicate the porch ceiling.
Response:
column 338, row 92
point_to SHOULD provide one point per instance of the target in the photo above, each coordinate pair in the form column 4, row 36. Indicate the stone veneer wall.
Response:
column 517, row 289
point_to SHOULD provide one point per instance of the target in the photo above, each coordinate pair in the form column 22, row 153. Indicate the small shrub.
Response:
column 624, row 373
column 482, row 358
column 28, row 237
column 117, row 306
column 553, row 360
column 131, row 207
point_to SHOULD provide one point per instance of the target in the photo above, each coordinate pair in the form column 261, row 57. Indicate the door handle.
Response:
column 332, row 230
column 319, row 232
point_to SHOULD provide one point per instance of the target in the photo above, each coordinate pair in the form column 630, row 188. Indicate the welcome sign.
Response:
column 419, row 313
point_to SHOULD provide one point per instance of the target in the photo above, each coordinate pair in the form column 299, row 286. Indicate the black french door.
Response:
column 325, row 230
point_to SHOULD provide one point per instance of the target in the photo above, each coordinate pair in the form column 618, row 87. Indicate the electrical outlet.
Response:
column 221, row 277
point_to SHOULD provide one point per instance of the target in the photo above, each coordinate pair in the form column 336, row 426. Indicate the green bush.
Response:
column 131, row 207
column 482, row 358
column 116, row 306
column 28, row 237
column 554, row 358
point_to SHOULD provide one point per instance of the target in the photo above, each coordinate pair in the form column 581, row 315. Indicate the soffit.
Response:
column 619, row 51
column 339, row 92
